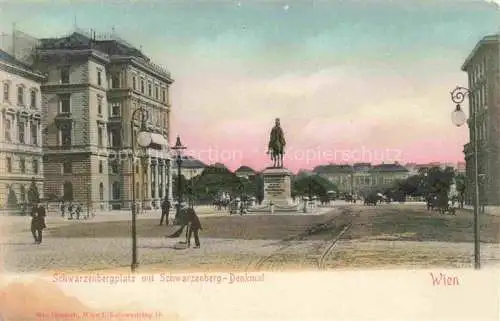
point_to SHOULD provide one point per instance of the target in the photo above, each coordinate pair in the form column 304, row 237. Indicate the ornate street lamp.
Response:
column 458, row 118
column 179, row 151
column 143, row 139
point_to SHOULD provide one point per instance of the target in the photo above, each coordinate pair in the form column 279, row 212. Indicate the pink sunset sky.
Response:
column 351, row 81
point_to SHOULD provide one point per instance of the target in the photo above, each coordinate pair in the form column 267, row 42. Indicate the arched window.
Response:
column 101, row 191
column 116, row 191
column 68, row 191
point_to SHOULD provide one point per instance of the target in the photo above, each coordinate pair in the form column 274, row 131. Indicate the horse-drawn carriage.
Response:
column 441, row 203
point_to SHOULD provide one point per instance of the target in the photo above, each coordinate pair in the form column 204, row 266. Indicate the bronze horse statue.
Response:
column 276, row 147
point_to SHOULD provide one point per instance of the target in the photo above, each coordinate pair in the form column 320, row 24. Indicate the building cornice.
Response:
column 488, row 40
column 90, row 53
column 68, row 88
column 23, row 72
column 144, row 66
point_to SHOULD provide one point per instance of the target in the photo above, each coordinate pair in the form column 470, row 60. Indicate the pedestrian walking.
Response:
column 165, row 211
column 78, row 210
column 38, row 223
column 194, row 225
column 70, row 211
column 63, row 207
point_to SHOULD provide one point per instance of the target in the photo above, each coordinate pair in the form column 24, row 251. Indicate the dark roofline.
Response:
column 245, row 168
column 487, row 40
column 12, row 61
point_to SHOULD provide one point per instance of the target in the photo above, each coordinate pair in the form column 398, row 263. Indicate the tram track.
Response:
column 316, row 251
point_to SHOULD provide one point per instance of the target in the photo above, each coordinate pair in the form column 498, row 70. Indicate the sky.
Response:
column 351, row 81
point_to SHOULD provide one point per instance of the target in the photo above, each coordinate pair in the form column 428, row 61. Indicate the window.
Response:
column 157, row 95
column 116, row 190
column 6, row 91
column 137, row 168
column 22, row 165
column 21, row 129
column 114, row 167
column 9, row 164
column 163, row 95
column 34, row 134
column 66, row 135
column 7, row 124
column 20, row 96
column 115, row 109
column 115, row 81
column 150, row 89
column 134, row 82
column 65, row 104
column 101, row 191
column 115, row 138
column 99, row 77
column 99, row 105
column 35, row 166
column 67, row 167
column 65, row 75
column 33, row 99
column 99, row 136
column 101, row 165
column 142, row 86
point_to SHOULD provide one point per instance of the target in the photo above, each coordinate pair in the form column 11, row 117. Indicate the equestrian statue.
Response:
column 276, row 147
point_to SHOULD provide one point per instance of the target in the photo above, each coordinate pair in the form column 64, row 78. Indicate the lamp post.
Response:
column 179, row 150
column 241, row 189
column 458, row 118
column 144, row 140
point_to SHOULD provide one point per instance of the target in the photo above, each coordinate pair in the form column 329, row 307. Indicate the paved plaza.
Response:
column 386, row 236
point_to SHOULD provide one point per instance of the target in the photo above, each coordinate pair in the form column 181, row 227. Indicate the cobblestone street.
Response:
column 374, row 241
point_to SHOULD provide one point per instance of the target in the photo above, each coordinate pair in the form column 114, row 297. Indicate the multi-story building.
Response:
column 93, row 87
column 483, row 70
column 361, row 178
column 388, row 174
column 190, row 167
column 340, row 175
column 20, row 131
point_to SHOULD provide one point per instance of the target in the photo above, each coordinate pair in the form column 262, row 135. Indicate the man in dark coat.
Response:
column 165, row 211
column 183, row 222
column 37, row 222
column 194, row 225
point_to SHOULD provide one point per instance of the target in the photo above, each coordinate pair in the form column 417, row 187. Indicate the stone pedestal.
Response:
column 277, row 186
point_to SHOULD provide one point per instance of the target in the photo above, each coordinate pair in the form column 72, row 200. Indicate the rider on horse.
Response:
column 277, row 144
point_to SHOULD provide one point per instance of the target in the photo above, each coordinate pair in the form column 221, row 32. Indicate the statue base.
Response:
column 277, row 187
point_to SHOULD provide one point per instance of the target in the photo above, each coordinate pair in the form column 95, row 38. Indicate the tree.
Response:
column 460, row 186
column 33, row 194
column 311, row 185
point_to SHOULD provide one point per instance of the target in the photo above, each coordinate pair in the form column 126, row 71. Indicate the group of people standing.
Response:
column 189, row 219
column 72, row 210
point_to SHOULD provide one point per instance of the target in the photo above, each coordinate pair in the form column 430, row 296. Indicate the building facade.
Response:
column 483, row 70
column 20, row 131
column 91, row 91
column 190, row 167
column 245, row 172
column 361, row 178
